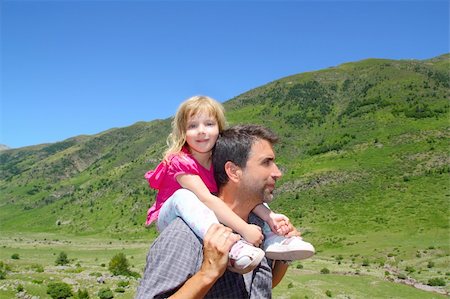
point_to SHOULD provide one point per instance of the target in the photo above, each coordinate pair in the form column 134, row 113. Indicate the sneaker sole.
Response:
column 282, row 255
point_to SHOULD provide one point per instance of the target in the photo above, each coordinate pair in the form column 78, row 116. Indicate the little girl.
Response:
column 187, row 165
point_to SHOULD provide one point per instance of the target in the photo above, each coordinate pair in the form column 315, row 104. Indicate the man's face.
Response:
column 261, row 172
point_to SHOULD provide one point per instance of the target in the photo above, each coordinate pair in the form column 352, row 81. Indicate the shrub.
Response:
column 119, row 290
column 328, row 293
column 135, row 274
column 20, row 288
column 325, row 271
column 123, row 284
column 82, row 294
column 96, row 274
column 38, row 268
column 430, row 264
column 401, row 276
column 290, row 285
column 119, row 265
column 2, row 274
column 59, row 290
column 410, row 269
column 105, row 293
column 62, row 259
column 15, row 256
column 2, row 270
column 366, row 263
column 436, row 282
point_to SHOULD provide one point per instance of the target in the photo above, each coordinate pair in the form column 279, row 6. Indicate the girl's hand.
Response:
column 278, row 223
column 252, row 233
column 292, row 231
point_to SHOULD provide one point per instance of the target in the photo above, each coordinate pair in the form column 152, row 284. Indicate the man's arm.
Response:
column 278, row 271
column 279, row 267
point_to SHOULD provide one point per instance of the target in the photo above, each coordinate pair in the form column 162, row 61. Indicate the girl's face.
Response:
column 202, row 131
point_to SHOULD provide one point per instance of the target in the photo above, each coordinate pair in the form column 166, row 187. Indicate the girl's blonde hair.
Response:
column 177, row 139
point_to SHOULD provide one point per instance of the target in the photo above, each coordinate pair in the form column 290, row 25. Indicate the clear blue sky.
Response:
column 81, row 67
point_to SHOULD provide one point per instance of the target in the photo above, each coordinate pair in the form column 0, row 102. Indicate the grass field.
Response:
column 89, row 258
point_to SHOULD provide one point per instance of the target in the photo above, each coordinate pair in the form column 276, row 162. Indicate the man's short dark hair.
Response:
column 235, row 144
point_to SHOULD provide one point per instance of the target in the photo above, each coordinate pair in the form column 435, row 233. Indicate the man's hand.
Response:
column 216, row 246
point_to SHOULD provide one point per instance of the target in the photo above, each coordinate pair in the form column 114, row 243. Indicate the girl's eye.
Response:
column 191, row 126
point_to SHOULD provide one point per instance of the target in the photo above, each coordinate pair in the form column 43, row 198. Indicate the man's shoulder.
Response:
column 177, row 241
column 174, row 255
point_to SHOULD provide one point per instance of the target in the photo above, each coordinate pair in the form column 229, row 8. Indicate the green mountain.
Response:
column 365, row 155
column 364, row 151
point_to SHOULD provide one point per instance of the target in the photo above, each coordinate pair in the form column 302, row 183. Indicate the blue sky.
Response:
column 82, row 67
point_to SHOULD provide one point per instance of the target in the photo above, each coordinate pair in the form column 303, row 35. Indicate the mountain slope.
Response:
column 364, row 149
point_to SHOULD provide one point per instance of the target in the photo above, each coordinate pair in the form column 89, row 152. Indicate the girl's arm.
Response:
column 278, row 222
column 251, row 233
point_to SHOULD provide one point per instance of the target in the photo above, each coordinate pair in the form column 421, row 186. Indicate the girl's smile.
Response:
column 201, row 133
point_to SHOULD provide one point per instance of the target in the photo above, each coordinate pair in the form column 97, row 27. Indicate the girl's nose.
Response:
column 201, row 129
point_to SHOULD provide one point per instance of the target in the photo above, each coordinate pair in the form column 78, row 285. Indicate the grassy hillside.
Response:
column 364, row 152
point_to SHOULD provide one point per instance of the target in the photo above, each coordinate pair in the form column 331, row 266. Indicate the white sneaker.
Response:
column 244, row 257
column 288, row 249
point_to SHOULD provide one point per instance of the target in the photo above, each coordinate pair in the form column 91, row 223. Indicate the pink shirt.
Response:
column 163, row 179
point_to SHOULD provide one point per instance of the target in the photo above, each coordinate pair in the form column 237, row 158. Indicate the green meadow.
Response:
column 364, row 151
column 347, row 275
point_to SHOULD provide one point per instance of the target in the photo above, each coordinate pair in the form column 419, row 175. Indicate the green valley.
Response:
column 364, row 151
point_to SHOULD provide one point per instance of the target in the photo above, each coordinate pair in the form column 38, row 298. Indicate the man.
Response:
column 180, row 266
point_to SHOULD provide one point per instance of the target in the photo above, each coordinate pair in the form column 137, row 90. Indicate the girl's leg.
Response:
column 185, row 204
column 268, row 233
column 282, row 248
column 243, row 257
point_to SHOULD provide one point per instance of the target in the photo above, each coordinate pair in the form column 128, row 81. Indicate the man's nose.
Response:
column 276, row 173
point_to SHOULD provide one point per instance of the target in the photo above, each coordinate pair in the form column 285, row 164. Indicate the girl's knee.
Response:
column 184, row 194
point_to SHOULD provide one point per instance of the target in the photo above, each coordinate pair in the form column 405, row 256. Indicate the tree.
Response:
column 59, row 290
column 119, row 265
column 62, row 259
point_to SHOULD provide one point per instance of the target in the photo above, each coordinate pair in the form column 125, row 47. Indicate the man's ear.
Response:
column 233, row 171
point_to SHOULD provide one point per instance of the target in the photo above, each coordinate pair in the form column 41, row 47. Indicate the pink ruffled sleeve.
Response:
column 182, row 164
column 156, row 177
